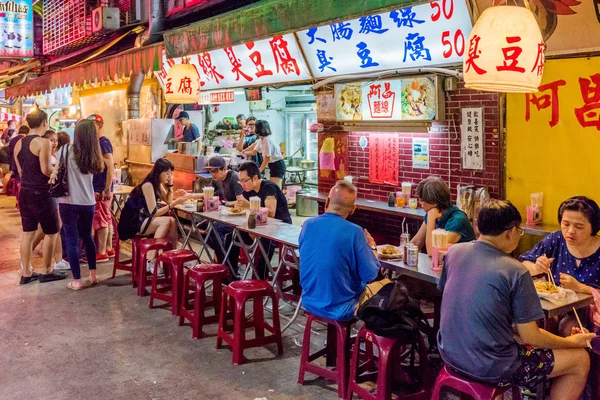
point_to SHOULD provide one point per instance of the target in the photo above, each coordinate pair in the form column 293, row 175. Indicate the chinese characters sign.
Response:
column 257, row 63
column 384, row 153
column 553, row 136
column 16, row 28
column 138, row 131
column 224, row 96
column 472, row 138
column 425, row 35
column 420, row 153
column 387, row 100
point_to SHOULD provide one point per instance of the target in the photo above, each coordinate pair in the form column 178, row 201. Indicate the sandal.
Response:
column 83, row 285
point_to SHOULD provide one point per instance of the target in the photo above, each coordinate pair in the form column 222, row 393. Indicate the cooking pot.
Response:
column 304, row 206
column 307, row 164
column 190, row 148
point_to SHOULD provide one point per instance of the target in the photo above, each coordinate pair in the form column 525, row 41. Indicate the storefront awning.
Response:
column 266, row 19
column 138, row 60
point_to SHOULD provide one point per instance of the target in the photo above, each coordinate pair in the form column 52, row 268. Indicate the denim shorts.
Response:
column 277, row 169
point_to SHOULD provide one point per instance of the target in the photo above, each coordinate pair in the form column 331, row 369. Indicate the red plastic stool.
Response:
column 336, row 352
column 478, row 391
column 233, row 304
column 388, row 361
column 143, row 247
column 170, row 289
column 195, row 312
column 124, row 265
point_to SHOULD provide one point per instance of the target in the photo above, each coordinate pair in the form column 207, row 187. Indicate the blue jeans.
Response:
column 77, row 223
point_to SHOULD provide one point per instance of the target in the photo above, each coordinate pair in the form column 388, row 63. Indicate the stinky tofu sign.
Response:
column 425, row 35
column 259, row 63
column 411, row 99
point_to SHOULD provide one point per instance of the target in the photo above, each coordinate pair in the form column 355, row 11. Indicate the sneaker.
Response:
column 101, row 258
column 53, row 276
column 111, row 253
column 62, row 266
column 150, row 267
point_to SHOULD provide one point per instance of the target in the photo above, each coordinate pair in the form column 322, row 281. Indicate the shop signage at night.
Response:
column 16, row 28
column 259, row 63
column 223, row 96
column 410, row 99
column 431, row 34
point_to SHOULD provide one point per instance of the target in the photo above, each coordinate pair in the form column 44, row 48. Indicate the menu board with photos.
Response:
column 410, row 99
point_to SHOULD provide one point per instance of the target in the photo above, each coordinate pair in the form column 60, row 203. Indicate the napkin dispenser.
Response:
column 211, row 204
column 262, row 216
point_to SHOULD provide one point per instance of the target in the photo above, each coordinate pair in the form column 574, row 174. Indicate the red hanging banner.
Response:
column 384, row 155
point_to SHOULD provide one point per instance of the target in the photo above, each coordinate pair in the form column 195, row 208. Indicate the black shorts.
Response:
column 536, row 365
column 38, row 207
column 277, row 169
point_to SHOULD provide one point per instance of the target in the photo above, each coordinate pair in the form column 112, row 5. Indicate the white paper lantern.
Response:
column 505, row 51
column 182, row 85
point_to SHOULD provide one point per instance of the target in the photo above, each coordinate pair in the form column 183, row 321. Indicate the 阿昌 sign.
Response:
column 16, row 28
column 425, row 35
column 412, row 99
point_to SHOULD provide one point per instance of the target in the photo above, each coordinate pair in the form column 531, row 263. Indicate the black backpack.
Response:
column 392, row 312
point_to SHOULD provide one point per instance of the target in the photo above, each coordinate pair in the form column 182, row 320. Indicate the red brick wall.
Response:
column 445, row 160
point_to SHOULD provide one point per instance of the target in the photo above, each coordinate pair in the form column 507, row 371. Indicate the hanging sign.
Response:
column 333, row 156
column 217, row 97
column 257, row 63
column 413, row 99
column 472, row 138
column 420, row 153
column 384, row 153
column 427, row 35
column 16, row 28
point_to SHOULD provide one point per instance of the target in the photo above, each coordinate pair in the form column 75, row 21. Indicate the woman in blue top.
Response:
column 435, row 198
column 572, row 254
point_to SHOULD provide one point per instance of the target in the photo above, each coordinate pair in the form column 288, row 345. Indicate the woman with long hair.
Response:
column 142, row 215
column 60, row 250
column 77, row 209
column 271, row 154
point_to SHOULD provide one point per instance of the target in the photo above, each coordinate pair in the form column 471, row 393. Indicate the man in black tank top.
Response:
column 32, row 156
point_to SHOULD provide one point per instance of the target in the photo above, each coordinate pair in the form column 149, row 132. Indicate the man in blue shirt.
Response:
column 485, row 292
column 337, row 258
column 190, row 131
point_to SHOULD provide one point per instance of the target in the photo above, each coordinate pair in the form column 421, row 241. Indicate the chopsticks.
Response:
column 551, row 278
column 589, row 345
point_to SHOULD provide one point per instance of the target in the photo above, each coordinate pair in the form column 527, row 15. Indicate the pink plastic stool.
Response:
column 336, row 352
column 143, row 247
column 233, row 305
column 195, row 313
column 171, row 289
column 478, row 391
column 389, row 351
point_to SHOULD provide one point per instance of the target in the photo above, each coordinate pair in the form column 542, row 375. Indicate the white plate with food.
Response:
column 554, row 294
column 389, row 252
column 232, row 211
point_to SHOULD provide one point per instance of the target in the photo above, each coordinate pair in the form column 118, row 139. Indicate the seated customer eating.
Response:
column 337, row 258
column 435, row 198
column 270, row 196
column 485, row 292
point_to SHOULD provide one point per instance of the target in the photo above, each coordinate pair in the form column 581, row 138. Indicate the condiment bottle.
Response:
column 392, row 200
column 199, row 206
column 251, row 220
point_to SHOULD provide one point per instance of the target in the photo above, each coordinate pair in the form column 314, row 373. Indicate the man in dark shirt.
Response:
column 190, row 131
column 103, row 193
column 271, row 197
column 485, row 292
column 229, row 190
